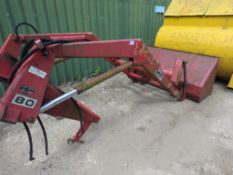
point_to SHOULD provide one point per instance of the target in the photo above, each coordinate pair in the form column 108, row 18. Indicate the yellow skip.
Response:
column 202, row 27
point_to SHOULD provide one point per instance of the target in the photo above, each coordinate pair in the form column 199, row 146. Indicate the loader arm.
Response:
column 38, row 66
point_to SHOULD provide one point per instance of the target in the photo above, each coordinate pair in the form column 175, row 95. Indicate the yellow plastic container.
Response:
column 203, row 27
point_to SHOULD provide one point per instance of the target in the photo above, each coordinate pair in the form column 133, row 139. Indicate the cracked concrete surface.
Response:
column 143, row 131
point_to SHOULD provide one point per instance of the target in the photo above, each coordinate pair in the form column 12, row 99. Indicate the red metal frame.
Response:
column 82, row 45
column 70, row 109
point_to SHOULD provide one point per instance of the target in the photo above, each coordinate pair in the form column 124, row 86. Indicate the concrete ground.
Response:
column 143, row 131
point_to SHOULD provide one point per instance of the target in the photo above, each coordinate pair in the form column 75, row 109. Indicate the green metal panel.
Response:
column 2, row 89
column 109, row 19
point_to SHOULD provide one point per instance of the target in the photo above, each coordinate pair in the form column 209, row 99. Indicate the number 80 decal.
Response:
column 24, row 101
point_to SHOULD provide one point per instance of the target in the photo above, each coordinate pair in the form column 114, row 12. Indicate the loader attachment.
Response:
column 200, row 70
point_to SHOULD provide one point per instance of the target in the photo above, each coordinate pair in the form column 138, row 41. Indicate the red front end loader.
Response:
column 26, row 62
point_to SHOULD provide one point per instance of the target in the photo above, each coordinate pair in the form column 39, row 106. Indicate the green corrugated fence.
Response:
column 108, row 19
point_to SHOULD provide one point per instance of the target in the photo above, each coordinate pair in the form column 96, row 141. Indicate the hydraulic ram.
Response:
column 85, row 86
